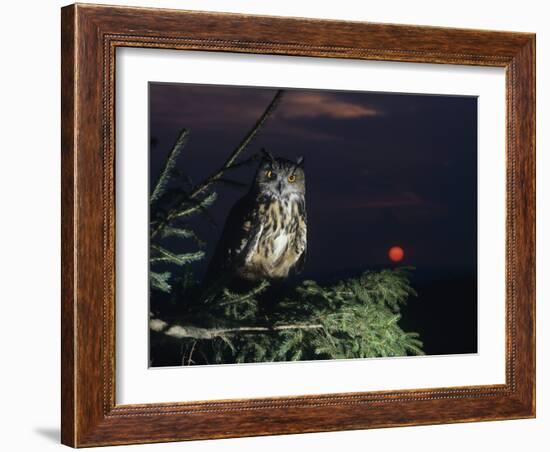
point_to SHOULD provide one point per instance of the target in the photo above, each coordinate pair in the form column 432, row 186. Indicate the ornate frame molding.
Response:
column 90, row 36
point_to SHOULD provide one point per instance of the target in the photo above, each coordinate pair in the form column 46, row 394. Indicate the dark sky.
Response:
column 381, row 169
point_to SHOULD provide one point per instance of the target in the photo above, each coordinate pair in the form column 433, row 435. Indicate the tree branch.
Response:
column 229, row 163
column 194, row 332
column 160, row 186
column 241, row 147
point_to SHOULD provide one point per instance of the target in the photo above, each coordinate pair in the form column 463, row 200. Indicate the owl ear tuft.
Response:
column 267, row 155
column 300, row 161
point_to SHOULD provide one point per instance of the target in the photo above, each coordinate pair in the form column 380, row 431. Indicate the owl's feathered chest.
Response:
column 275, row 240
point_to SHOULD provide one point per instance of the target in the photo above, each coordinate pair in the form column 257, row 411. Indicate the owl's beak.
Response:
column 280, row 187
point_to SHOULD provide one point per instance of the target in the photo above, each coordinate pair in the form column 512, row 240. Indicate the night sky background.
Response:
column 381, row 170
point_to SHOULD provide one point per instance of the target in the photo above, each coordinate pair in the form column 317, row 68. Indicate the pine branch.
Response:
column 196, row 206
column 165, row 174
column 170, row 231
column 179, row 259
column 160, row 281
column 232, row 298
column 355, row 318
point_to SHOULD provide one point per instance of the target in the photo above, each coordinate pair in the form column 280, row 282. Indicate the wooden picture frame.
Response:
column 90, row 36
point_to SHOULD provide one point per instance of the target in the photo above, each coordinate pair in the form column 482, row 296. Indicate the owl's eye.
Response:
column 292, row 178
column 269, row 174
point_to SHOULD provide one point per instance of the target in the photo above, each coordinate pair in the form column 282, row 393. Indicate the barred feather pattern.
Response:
column 265, row 234
column 280, row 240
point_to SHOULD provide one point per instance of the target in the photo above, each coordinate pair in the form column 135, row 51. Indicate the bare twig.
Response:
column 241, row 147
column 244, row 162
column 189, row 331
column 191, row 353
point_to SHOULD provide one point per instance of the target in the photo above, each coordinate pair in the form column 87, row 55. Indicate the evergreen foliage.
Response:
column 353, row 318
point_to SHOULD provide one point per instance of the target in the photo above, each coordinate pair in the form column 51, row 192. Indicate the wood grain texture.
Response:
column 67, row 224
column 90, row 36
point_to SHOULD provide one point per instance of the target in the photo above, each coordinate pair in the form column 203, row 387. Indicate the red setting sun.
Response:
column 396, row 254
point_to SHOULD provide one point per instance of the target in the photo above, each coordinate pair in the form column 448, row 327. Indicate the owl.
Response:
column 265, row 234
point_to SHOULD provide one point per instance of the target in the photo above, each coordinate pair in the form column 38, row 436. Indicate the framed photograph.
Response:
column 281, row 225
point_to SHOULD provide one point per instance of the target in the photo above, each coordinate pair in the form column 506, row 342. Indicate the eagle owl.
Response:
column 264, row 236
